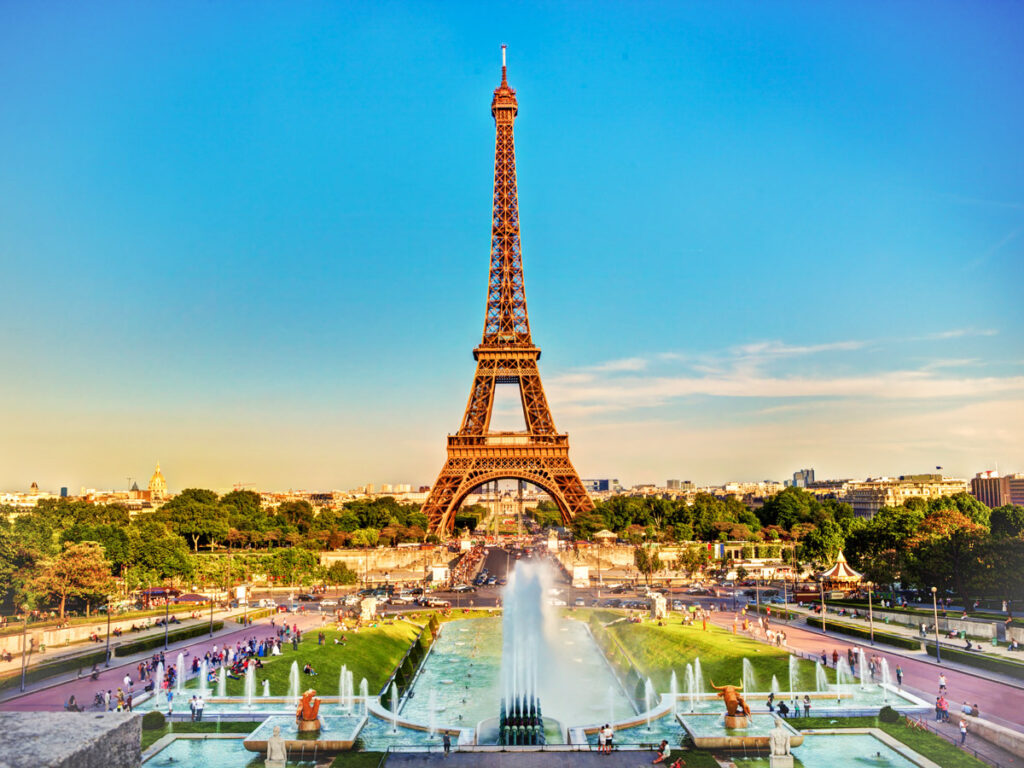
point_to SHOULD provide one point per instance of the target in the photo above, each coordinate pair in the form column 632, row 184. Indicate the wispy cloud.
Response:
column 625, row 364
column 959, row 333
column 768, row 370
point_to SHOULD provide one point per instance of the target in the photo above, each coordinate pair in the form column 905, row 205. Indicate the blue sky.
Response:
column 250, row 239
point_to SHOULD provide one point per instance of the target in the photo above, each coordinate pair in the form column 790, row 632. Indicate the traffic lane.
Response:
column 84, row 689
column 919, row 677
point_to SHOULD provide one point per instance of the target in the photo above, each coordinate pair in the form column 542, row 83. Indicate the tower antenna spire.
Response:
column 504, row 78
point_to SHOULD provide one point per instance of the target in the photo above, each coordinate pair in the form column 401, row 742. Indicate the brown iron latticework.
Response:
column 507, row 355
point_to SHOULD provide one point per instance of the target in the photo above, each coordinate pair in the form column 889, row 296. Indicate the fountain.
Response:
column 862, row 668
column 364, row 693
column 345, row 692
column 886, row 681
column 432, row 709
column 820, row 678
column 394, row 708
column 222, row 683
column 611, row 704
column 794, row 677
column 775, row 685
column 293, row 684
column 179, row 680
column 650, row 697
column 204, row 683
column 673, row 687
column 519, row 717
column 158, row 679
column 698, row 677
column 844, row 675
column 691, row 687
column 749, row 679
column 266, row 689
column 250, row 683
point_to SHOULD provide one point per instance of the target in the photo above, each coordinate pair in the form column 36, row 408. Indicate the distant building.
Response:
column 63, row 491
column 598, row 486
column 869, row 496
column 157, row 485
column 995, row 491
column 803, row 478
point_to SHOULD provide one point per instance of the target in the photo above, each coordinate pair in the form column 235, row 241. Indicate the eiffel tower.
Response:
column 506, row 355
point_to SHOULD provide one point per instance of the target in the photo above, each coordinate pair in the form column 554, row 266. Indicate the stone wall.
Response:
column 389, row 558
column 60, row 638
column 70, row 740
column 1010, row 740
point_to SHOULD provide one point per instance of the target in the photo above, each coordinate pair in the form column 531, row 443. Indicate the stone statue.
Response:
column 277, row 752
column 779, row 747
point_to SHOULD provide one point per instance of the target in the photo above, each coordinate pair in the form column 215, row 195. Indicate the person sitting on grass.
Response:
column 664, row 752
column 308, row 670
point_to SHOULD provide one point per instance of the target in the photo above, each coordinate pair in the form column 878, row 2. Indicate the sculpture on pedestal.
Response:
column 779, row 746
column 736, row 708
column 307, row 716
column 277, row 752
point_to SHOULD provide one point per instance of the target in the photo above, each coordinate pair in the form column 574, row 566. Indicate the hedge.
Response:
column 158, row 640
column 259, row 613
column 979, row 659
column 44, row 669
column 881, row 637
column 777, row 612
column 927, row 613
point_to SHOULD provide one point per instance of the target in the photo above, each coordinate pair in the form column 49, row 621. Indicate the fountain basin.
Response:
column 337, row 734
column 713, row 732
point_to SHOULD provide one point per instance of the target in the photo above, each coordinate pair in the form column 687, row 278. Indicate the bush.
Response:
column 881, row 637
column 153, row 721
column 981, row 660
column 156, row 641
column 888, row 715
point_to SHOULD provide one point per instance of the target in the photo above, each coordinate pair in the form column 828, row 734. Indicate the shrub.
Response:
column 153, row 721
column 888, row 715
column 980, row 659
column 881, row 637
column 156, row 641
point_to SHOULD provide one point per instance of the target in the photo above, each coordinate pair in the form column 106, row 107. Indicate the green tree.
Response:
column 196, row 515
column 822, row 544
column 947, row 553
column 647, row 561
column 80, row 571
column 1007, row 521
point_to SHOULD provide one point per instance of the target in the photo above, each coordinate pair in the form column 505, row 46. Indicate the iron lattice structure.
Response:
column 506, row 355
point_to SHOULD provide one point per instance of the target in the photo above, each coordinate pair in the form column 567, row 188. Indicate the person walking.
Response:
column 963, row 731
column 446, row 742
column 192, row 707
column 899, row 676
column 106, row 700
column 600, row 739
column 807, row 705
column 200, row 704
column 609, row 739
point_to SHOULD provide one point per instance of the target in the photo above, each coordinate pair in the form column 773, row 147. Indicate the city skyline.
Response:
column 805, row 255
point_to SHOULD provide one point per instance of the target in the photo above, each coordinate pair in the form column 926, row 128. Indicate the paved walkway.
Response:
column 921, row 678
column 624, row 759
column 53, row 693
column 913, row 633
column 87, row 647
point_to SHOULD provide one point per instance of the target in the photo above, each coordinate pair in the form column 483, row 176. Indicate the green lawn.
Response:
column 658, row 651
column 370, row 653
column 149, row 738
column 923, row 742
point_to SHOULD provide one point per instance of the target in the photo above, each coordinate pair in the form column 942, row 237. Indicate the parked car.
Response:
column 556, row 601
column 580, row 601
column 329, row 602
column 436, row 602
column 305, row 597
column 463, row 588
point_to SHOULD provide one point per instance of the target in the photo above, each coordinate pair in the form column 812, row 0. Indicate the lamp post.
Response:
column 106, row 662
column 211, row 612
column 24, row 646
column 871, row 615
column 167, row 613
column 821, row 589
column 935, row 612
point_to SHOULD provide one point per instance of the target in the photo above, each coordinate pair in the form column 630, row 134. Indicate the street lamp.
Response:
column 935, row 611
column 167, row 614
column 211, row 613
column 871, row 615
column 821, row 588
column 106, row 663
column 24, row 646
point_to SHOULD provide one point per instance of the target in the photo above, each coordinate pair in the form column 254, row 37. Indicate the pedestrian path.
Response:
column 50, row 694
column 86, row 648
column 980, row 748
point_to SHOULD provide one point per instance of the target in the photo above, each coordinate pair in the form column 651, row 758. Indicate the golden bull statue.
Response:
column 735, row 705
